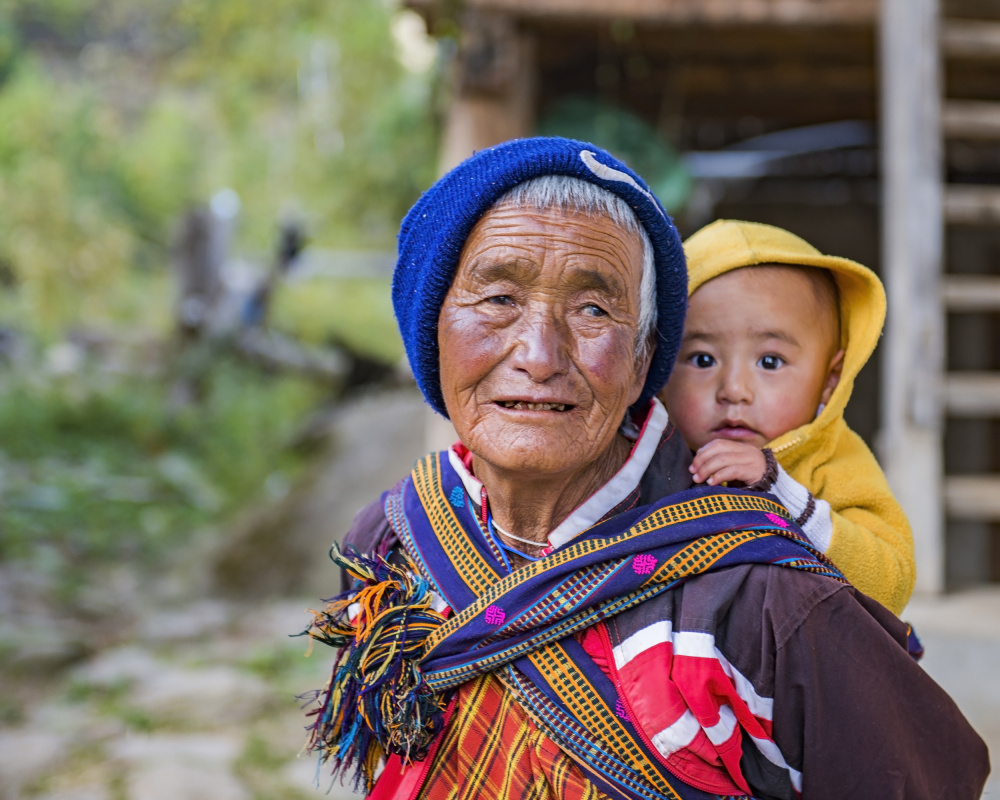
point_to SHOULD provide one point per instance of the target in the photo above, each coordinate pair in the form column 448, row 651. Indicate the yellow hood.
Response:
column 726, row 245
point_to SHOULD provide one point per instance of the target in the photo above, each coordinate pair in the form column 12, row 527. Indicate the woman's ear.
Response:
column 832, row 376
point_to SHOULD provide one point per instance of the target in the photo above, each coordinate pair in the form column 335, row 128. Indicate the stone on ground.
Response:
column 77, row 793
column 195, row 621
column 121, row 665
column 216, row 695
column 27, row 756
column 301, row 774
column 171, row 781
column 204, row 749
column 173, row 766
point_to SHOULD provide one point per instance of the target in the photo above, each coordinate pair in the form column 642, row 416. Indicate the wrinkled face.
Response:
column 537, row 337
column 759, row 355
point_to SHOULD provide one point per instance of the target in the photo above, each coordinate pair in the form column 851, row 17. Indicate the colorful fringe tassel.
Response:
column 376, row 701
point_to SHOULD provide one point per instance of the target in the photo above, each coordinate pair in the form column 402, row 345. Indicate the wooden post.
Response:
column 494, row 87
column 494, row 101
column 913, row 234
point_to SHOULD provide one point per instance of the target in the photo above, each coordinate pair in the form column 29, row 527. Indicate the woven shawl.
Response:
column 519, row 625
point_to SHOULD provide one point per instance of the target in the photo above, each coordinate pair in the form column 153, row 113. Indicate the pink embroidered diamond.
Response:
column 494, row 615
column 781, row 522
column 620, row 710
column 643, row 564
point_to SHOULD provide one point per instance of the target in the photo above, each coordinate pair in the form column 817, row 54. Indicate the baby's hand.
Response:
column 722, row 460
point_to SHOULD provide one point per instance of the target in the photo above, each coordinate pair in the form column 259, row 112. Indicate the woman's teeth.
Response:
column 521, row 406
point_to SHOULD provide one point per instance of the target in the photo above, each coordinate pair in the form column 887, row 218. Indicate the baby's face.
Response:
column 759, row 355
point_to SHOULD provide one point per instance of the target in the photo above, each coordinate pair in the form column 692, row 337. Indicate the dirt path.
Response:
column 200, row 705
column 150, row 692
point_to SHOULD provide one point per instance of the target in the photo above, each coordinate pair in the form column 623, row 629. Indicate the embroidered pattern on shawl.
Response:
column 519, row 625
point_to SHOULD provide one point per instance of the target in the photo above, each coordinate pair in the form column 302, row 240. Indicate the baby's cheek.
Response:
column 686, row 393
column 691, row 414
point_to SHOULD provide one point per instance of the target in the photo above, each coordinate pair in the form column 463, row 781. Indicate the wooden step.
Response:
column 972, row 394
column 971, row 292
column 970, row 119
column 972, row 205
column 973, row 497
column 969, row 38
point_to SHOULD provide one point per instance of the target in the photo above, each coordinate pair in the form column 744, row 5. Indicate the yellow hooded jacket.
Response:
column 871, row 541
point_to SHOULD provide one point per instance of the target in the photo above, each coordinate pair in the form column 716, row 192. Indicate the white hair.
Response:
column 570, row 194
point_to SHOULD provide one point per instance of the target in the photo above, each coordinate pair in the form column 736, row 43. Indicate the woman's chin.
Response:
column 533, row 451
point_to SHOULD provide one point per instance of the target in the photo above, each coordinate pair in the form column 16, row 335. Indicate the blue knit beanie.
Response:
column 433, row 234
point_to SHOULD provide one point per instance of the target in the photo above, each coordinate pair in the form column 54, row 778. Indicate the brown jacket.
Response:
column 853, row 715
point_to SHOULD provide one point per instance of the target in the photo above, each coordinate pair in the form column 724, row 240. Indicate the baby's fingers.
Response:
column 710, row 466
column 725, row 474
column 714, row 452
column 715, row 468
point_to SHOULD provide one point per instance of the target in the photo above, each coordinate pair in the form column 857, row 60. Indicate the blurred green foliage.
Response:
column 92, row 468
column 116, row 115
column 363, row 319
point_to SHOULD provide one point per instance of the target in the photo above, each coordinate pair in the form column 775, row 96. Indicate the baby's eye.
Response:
column 702, row 360
column 770, row 362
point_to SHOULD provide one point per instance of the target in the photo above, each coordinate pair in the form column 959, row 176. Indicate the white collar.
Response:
column 612, row 493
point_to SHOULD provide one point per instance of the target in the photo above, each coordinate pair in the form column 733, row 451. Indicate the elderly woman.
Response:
column 548, row 609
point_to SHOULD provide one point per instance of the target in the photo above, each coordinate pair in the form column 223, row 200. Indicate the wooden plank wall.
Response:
column 913, row 241
column 693, row 11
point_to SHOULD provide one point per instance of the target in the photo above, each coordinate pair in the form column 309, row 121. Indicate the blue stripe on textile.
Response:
column 556, row 716
column 525, row 616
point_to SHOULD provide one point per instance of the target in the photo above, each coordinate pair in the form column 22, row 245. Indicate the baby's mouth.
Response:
column 734, row 430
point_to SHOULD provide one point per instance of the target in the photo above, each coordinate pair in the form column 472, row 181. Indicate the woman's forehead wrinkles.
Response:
column 552, row 250
column 574, row 277
column 612, row 246
column 569, row 248
column 494, row 271
column 564, row 227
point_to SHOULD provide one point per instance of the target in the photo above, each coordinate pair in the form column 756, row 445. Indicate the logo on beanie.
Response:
column 607, row 173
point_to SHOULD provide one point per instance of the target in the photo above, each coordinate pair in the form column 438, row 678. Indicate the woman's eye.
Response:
column 770, row 362
column 702, row 360
column 500, row 300
column 594, row 310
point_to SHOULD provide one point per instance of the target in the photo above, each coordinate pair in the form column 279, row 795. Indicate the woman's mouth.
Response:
column 523, row 405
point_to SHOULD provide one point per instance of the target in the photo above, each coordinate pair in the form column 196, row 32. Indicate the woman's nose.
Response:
column 541, row 347
column 735, row 386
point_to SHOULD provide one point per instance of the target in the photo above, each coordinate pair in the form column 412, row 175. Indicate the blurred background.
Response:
column 200, row 377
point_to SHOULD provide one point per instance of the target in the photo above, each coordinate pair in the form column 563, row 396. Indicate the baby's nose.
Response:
column 735, row 387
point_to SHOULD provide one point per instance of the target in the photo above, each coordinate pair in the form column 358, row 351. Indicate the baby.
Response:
column 775, row 334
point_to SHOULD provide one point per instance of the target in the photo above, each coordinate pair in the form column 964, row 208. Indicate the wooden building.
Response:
column 870, row 128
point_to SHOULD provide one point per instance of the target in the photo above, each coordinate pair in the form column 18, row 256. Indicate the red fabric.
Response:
column 398, row 782
column 684, row 683
column 465, row 454
column 593, row 644
column 492, row 748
